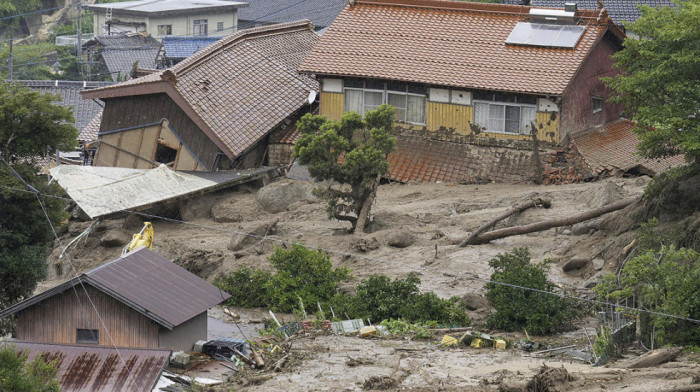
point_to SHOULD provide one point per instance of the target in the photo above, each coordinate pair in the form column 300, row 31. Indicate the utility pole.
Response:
column 80, row 37
column 11, row 53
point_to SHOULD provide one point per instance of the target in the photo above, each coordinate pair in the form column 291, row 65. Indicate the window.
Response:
column 219, row 26
column 87, row 336
column 505, row 113
column 165, row 30
column 165, row 154
column 200, row 28
column 409, row 100
column 597, row 104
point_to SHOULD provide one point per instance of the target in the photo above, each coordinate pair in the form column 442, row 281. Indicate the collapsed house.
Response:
column 214, row 111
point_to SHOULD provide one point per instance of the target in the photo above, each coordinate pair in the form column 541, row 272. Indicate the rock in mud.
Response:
column 379, row 383
column 225, row 213
column 199, row 262
column 575, row 263
column 656, row 357
column 608, row 192
column 278, row 196
column 115, row 237
column 241, row 240
column 132, row 222
column 473, row 301
column 401, row 240
column 195, row 208
column 364, row 244
column 598, row 263
column 550, row 380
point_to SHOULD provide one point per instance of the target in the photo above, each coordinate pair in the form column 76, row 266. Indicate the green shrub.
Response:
column 18, row 375
column 301, row 272
column 517, row 308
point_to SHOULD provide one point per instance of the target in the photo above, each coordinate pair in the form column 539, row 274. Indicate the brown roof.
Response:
column 90, row 368
column 237, row 89
column 89, row 133
column 147, row 282
column 450, row 43
column 417, row 159
column 614, row 145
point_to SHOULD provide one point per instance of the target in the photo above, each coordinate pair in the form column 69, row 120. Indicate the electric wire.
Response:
column 474, row 277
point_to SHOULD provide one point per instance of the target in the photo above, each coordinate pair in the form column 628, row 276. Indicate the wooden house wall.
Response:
column 56, row 320
column 136, row 148
column 577, row 110
column 132, row 111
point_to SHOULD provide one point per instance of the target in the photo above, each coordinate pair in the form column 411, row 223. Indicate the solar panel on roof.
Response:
column 537, row 34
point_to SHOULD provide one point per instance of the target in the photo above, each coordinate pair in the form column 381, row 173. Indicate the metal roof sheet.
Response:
column 320, row 12
column 88, row 368
column 146, row 7
column 182, row 47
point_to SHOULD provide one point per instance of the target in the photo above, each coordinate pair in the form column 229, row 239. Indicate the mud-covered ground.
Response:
column 210, row 240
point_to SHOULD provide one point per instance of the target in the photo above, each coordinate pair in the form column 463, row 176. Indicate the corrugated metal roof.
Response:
column 88, row 368
column 101, row 191
column 148, row 283
column 145, row 7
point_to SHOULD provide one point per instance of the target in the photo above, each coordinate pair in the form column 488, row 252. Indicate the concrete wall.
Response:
column 184, row 336
column 182, row 25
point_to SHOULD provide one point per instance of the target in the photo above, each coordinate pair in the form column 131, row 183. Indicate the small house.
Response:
column 491, row 77
column 140, row 300
column 213, row 111
column 266, row 12
column 118, row 53
column 166, row 17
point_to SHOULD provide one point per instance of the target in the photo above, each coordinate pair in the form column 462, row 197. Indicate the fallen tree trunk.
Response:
column 538, row 202
column 545, row 225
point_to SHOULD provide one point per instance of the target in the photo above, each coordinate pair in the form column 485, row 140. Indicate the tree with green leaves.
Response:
column 517, row 306
column 29, row 123
column 18, row 375
column 351, row 152
column 660, row 65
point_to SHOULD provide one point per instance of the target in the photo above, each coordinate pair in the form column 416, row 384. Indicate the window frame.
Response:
column 95, row 333
column 597, row 108
column 385, row 99
column 219, row 26
column 197, row 26
column 168, row 28
column 504, row 104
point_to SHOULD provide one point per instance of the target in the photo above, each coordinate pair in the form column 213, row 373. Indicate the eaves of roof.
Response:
column 175, row 12
column 79, row 281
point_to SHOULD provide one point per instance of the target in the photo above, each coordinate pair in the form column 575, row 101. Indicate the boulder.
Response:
column 401, row 240
column 364, row 244
column 115, row 237
column 241, row 240
column 226, row 213
column 278, row 196
column 180, row 359
column 132, row 222
column 656, row 357
column 473, row 301
column 598, row 263
column 575, row 263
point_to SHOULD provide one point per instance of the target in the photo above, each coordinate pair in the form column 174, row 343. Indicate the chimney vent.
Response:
column 570, row 7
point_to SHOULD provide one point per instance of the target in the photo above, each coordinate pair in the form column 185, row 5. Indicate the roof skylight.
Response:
column 548, row 35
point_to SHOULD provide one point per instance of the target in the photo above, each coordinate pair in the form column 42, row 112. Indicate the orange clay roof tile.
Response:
column 450, row 43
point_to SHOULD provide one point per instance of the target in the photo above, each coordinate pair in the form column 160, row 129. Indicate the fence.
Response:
column 616, row 330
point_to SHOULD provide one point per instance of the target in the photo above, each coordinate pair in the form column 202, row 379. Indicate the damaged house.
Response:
column 140, row 300
column 469, row 80
column 216, row 110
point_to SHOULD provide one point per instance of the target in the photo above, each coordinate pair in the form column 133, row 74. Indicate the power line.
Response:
column 342, row 253
column 75, row 272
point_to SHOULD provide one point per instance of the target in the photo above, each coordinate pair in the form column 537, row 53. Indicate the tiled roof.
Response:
column 92, row 368
column 69, row 91
column 182, row 47
column 148, row 283
column 89, row 133
column 126, row 41
column 614, row 145
column 450, row 43
column 620, row 11
column 166, row 7
column 121, row 51
column 320, row 12
column 241, row 86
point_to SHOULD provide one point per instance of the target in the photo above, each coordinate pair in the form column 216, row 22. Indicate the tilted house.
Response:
column 138, row 300
column 214, row 110
column 476, row 73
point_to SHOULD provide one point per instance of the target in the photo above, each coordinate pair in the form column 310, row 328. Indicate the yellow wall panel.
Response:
column 332, row 105
column 548, row 126
column 457, row 117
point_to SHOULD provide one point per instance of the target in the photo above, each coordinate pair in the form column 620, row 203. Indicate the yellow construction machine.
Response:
column 143, row 238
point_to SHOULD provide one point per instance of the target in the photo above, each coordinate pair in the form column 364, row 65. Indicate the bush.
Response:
column 18, row 375
column 517, row 308
column 301, row 273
